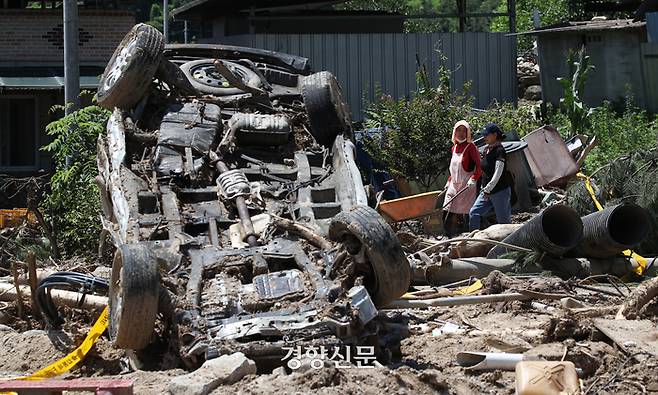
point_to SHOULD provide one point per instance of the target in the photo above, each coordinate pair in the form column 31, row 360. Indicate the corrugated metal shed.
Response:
column 589, row 26
column 616, row 51
column 652, row 27
column 365, row 63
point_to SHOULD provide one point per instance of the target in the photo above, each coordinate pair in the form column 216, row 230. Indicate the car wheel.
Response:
column 327, row 111
column 134, row 293
column 130, row 71
column 206, row 79
column 364, row 232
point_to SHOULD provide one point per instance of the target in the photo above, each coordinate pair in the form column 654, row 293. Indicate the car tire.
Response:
column 389, row 272
column 206, row 79
column 327, row 111
column 134, row 294
column 130, row 71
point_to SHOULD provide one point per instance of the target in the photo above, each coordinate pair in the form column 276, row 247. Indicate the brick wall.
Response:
column 36, row 36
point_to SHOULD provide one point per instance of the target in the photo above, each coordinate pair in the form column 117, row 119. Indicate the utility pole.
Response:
column 511, row 10
column 165, row 20
column 185, row 31
column 536, row 18
column 71, row 57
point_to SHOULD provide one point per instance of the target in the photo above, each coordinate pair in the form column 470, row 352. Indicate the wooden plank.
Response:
column 117, row 387
column 632, row 336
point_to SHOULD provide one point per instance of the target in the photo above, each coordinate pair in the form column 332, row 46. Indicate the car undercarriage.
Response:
column 231, row 195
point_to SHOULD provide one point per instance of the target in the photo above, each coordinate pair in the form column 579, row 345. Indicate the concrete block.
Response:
column 224, row 370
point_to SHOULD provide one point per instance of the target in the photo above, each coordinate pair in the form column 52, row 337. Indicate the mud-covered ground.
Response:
column 424, row 364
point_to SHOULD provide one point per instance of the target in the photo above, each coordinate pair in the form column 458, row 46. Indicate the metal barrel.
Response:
column 556, row 230
column 612, row 230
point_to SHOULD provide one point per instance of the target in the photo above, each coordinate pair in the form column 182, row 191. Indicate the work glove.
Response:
column 471, row 183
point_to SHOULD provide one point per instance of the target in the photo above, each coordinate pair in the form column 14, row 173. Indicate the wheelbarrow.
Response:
column 413, row 207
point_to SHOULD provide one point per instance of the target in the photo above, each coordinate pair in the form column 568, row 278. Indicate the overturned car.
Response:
column 231, row 194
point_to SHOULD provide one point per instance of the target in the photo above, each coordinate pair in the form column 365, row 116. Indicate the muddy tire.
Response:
column 389, row 274
column 206, row 79
column 134, row 293
column 327, row 111
column 128, row 75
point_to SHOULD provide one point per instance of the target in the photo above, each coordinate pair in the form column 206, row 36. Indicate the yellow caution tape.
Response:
column 476, row 286
column 641, row 261
column 590, row 189
column 74, row 357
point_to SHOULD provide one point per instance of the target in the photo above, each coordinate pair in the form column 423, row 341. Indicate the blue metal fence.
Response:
column 363, row 62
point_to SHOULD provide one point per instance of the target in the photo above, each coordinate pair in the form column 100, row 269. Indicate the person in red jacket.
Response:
column 465, row 170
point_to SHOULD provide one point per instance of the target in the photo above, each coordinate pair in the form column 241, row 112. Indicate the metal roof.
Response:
column 224, row 7
column 585, row 26
column 45, row 77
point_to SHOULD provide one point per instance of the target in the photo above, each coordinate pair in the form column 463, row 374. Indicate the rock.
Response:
column 307, row 364
column 533, row 93
column 280, row 371
column 103, row 272
column 224, row 370
column 435, row 379
column 5, row 318
column 5, row 328
column 529, row 79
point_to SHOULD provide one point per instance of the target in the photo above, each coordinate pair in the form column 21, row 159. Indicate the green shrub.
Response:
column 523, row 119
column 619, row 134
column 417, row 142
column 573, row 85
column 73, row 203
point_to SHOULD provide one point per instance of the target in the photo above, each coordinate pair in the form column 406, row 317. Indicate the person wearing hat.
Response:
column 496, row 180
column 465, row 171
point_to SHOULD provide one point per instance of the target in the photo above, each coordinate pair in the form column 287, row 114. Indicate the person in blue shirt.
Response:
column 496, row 180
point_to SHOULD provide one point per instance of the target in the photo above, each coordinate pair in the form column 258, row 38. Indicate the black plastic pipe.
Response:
column 612, row 230
column 555, row 231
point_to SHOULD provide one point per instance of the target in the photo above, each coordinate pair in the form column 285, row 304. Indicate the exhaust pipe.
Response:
column 612, row 230
column 555, row 230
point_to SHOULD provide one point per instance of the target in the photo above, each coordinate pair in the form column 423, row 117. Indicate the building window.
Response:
column 18, row 133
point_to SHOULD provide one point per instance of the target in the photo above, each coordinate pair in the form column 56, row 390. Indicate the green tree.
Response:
column 552, row 11
column 416, row 141
column 419, row 7
column 73, row 202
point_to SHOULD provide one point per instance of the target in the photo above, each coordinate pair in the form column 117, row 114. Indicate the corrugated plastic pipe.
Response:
column 612, row 230
column 555, row 230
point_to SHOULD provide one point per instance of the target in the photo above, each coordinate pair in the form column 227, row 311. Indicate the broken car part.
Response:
column 128, row 74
